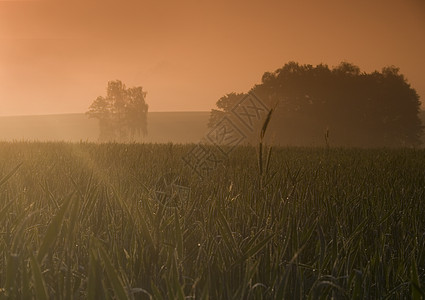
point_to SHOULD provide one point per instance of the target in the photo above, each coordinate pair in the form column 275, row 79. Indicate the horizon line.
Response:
column 82, row 113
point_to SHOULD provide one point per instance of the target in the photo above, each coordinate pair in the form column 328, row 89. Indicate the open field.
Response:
column 98, row 221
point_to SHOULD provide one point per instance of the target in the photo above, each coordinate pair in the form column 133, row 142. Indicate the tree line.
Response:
column 350, row 107
column 313, row 105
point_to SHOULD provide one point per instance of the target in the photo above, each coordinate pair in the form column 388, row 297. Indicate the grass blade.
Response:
column 179, row 235
column 113, row 275
column 417, row 293
column 4, row 210
column 39, row 285
column 11, row 173
column 53, row 230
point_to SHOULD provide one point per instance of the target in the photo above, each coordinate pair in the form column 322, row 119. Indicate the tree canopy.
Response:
column 356, row 108
column 122, row 114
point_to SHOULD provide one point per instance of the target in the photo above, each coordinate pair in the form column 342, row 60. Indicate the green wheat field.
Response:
column 98, row 221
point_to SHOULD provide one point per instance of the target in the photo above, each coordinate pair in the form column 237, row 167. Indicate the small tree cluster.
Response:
column 350, row 107
column 122, row 114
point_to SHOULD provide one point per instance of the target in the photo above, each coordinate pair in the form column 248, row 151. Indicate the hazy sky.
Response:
column 57, row 56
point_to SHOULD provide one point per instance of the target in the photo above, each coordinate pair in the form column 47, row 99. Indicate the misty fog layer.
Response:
column 176, row 127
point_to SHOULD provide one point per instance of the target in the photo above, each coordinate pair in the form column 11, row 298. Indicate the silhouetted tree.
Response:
column 122, row 114
column 359, row 109
column 136, row 112
column 224, row 104
column 101, row 109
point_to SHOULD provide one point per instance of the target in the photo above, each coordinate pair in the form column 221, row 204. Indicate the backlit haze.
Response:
column 57, row 56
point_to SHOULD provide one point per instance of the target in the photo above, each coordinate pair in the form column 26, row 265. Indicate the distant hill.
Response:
column 163, row 127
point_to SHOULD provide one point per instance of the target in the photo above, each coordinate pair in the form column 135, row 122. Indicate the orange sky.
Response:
column 57, row 56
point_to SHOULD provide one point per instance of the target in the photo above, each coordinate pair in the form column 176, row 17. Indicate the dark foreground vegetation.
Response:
column 95, row 221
